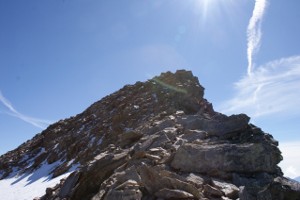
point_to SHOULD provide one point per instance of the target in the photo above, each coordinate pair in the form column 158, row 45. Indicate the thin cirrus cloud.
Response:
column 269, row 88
column 272, row 88
column 39, row 123
column 254, row 32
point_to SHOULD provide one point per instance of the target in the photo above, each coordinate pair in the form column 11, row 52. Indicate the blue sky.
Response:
column 58, row 57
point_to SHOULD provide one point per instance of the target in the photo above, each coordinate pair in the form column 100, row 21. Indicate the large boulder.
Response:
column 218, row 125
column 95, row 173
column 242, row 158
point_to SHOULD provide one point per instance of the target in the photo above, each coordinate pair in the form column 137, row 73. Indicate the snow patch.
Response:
column 81, row 128
column 29, row 186
column 43, row 150
column 170, row 129
column 92, row 140
column 179, row 112
column 24, row 158
column 171, row 117
column 155, row 97
column 70, row 162
column 29, row 162
column 127, row 130
column 74, row 166
column 100, row 140
column 55, row 146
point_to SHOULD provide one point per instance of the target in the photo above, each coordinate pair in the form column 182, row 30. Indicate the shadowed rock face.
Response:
column 157, row 140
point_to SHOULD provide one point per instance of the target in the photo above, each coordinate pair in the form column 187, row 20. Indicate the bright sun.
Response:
column 213, row 8
column 204, row 7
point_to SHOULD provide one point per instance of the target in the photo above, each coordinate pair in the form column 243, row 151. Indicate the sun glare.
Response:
column 205, row 6
column 212, row 8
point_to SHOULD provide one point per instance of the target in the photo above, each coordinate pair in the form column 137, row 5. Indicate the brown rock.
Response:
column 211, row 191
column 129, row 137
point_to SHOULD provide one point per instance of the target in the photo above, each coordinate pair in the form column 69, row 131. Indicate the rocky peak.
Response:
column 100, row 125
column 181, row 82
column 183, row 91
column 159, row 139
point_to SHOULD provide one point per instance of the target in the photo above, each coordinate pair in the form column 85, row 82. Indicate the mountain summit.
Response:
column 159, row 139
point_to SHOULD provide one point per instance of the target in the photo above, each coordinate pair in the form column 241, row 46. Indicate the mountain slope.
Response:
column 157, row 139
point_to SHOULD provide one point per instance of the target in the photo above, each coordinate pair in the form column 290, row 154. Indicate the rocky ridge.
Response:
column 160, row 139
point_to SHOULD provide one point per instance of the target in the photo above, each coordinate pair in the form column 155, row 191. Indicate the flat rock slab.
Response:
column 225, row 157
column 172, row 194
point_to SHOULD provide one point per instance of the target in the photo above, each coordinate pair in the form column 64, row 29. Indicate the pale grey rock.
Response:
column 207, row 158
column 195, row 179
column 127, row 194
column 192, row 135
column 128, row 174
column 166, row 193
column 230, row 190
column 67, row 188
column 154, row 181
column 216, row 126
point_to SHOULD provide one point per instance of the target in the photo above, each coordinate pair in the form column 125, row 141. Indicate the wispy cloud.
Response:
column 40, row 123
column 272, row 88
column 289, row 166
column 254, row 32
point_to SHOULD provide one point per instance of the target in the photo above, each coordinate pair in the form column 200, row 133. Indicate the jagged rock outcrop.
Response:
column 156, row 140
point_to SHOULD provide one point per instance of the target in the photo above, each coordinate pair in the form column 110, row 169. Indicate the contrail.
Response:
column 6, row 103
column 13, row 112
column 254, row 32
